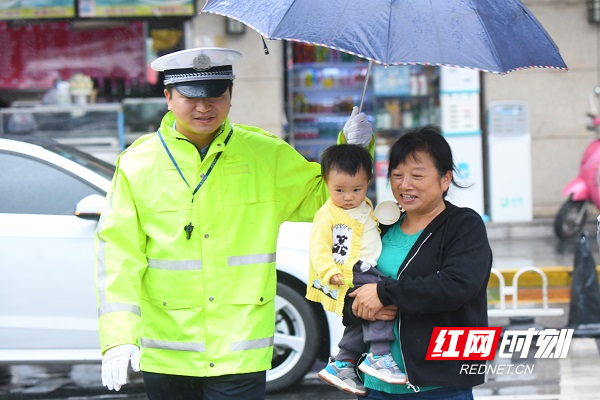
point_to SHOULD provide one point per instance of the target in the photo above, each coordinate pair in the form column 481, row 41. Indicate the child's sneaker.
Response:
column 341, row 374
column 383, row 368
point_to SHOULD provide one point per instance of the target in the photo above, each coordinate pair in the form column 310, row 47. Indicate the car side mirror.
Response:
column 90, row 207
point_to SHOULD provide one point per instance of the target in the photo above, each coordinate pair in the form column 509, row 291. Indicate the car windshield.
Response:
column 101, row 167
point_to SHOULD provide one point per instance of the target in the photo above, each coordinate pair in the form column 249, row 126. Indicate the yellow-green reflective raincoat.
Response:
column 202, row 306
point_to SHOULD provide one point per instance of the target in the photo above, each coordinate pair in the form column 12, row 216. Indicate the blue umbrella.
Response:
column 488, row 35
column 496, row 36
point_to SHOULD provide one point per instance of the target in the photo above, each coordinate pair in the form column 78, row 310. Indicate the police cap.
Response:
column 200, row 72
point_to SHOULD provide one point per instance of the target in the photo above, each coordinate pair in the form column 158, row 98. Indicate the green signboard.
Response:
column 135, row 8
column 36, row 9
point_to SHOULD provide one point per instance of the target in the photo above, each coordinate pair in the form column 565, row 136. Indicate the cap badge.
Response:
column 201, row 62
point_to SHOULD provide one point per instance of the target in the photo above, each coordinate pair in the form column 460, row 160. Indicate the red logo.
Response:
column 463, row 343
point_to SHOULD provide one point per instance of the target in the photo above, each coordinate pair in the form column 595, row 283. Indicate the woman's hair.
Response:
column 347, row 158
column 427, row 139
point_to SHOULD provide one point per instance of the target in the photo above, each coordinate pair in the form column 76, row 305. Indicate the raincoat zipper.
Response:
column 409, row 385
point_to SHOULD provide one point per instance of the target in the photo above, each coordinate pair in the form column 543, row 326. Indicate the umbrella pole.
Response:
column 362, row 99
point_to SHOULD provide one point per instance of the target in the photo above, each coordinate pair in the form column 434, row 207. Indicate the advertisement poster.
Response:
column 35, row 55
column 136, row 8
column 460, row 113
column 36, row 9
column 460, row 122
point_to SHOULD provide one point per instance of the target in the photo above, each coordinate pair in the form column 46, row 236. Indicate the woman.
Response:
column 442, row 259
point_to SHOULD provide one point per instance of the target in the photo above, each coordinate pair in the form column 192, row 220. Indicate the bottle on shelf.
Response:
column 308, row 78
column 423, row 85
column 394, row 112
column 413, row 84
column 416, row 114
column 384, row 119
column 407, row 116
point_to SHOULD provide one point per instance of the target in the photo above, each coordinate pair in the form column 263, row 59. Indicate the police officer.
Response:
column 186, row 244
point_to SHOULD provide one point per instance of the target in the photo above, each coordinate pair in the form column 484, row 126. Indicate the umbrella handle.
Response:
column 362, row 99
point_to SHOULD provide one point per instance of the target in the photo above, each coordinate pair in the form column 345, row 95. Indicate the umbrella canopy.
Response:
column 487, row 35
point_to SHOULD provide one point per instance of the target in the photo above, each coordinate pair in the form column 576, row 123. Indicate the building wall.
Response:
column 557, row 100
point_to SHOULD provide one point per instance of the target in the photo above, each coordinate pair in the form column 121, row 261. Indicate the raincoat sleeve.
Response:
column 371, row 147
column 300, row 187
column 120, row 265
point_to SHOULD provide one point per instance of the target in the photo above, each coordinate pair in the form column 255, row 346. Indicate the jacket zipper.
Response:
column 409, row 385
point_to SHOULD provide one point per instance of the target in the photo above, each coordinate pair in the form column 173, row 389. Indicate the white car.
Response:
column 50, row 201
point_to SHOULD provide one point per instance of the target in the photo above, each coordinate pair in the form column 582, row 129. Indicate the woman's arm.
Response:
column 366, row 304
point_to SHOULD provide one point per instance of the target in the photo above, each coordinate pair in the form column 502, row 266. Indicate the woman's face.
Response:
column 417, row 185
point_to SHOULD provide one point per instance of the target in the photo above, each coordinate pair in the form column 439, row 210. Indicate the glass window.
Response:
column 29, row 186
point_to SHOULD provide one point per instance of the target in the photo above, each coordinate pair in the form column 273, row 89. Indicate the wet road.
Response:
column 573, row 378
column 539, row 252
column 83, row 382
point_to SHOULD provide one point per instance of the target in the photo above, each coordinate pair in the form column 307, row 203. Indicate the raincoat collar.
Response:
column 217, row 144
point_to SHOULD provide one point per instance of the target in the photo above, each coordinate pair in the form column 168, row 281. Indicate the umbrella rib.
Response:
column 336, row 27
column 492, row 47
column 389, row 34
column 282, row 18
column 437, row 30
column 335, row 30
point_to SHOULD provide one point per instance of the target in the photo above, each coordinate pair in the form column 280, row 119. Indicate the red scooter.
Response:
column 584, row 189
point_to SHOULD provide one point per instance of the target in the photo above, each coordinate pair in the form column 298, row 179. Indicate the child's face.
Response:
column 347, row 191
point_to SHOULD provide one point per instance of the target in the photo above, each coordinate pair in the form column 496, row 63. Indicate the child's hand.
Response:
column 338, row 280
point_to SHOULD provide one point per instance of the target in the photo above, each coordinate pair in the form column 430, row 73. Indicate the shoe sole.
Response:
column 375, row 374
column 338, row 383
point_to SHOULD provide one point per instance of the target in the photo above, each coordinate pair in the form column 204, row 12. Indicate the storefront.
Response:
column 79, row 69
column 324, row 85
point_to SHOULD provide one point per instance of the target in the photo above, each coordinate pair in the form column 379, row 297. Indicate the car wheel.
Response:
column 296, row 333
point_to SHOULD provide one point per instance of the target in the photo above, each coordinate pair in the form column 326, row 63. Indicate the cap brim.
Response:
column 202, row 89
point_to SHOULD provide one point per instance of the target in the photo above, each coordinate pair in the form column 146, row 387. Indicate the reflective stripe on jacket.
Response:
column 207, row 302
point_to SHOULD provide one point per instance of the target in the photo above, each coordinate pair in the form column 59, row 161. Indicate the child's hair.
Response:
column 347, row 158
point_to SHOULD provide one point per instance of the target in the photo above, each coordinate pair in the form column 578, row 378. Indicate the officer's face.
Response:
column 199, row 116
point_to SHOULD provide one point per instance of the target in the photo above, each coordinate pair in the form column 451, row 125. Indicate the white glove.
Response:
column 357, row 129
column 115, row 362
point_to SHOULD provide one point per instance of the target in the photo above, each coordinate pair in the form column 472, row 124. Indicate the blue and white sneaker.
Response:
column 341, row 374
column 383, row 368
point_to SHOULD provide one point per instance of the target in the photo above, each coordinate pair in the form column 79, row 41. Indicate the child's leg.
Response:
column 341, row 371
column 379, row 363
column 379, row 334
column 352, row 344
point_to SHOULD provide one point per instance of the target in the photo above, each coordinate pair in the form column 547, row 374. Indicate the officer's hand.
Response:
column 357, row 129
column 115, row 362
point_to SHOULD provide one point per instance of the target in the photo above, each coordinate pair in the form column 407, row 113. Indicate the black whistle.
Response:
column 188, row 230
